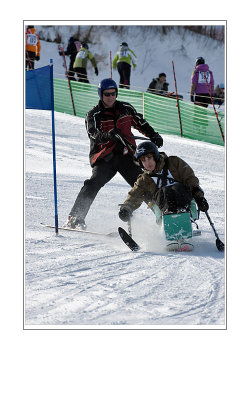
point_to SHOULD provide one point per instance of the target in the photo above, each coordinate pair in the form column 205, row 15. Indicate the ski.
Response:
column 111, row 234
column 180, row 246
column 127, row 239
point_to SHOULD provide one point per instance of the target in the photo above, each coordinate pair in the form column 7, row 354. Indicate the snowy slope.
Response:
column 77, row 279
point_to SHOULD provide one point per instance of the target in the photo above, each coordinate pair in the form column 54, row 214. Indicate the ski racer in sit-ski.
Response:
column 169, row 185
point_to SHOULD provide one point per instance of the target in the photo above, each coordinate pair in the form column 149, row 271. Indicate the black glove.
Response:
column 202, row 204
column 37, row 58
column 111, row 135
column 60, row 53
column 192, row 98
column 125, row 213
column 96, row 71
column 157, row 139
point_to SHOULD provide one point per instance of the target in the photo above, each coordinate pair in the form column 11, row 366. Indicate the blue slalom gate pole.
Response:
column 53, row 144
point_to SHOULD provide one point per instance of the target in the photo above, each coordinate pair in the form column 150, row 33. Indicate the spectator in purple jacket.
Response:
column 199, row 85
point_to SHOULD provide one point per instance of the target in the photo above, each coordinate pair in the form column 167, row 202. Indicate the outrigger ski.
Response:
column 111, row 234
column 128, row 240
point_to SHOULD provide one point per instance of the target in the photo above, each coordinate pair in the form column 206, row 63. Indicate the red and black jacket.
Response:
column 100, row 120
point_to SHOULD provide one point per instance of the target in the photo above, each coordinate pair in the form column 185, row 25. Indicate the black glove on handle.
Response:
column 125, row 213
column 202, row 204
column 157, row 139
column 192, row 98
column 111, row 135
column 96, row 71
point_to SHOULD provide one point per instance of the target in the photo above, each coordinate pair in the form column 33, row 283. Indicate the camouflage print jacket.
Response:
column 145, row 188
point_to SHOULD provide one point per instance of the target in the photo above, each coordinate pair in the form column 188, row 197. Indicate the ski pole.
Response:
column 110, row 58
column 66, row 69
column 214, row 108
column 219, row 243
column 129, row 228
column 177, row 98
column 139, row 137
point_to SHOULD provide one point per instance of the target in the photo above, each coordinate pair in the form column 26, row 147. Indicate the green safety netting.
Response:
column 161, row 112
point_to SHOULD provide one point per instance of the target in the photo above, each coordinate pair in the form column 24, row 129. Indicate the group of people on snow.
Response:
column 168, row 181
column 202, row 80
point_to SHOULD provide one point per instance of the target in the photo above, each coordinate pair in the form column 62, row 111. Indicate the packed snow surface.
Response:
column 79, row 279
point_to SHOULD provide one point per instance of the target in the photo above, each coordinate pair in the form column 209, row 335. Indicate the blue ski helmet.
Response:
column 146, row 148
column 106, row 84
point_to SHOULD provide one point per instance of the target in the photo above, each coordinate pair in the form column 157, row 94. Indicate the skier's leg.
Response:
column 84, row 76
column 71, row 70
column 120, row 71
column 101, row 174
column 127, row 168
column 127, row 72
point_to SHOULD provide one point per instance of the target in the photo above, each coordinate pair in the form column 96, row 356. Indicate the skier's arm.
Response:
column 133, row 58
column 143, row 190
column 38, row 47
column 92, row 59
column 143, row 127
column 92, row 123
column 114, row 63
column 139, row 122
column 185, row 173
column 188, row 178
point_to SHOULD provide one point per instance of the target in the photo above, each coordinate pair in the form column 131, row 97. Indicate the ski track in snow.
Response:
column 79, row 279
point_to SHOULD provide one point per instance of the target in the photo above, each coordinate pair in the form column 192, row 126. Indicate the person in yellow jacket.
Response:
column 80, row 63
column 122, row 61
column 32, row 47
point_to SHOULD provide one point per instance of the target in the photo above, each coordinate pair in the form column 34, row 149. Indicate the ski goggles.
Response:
column 109, row 94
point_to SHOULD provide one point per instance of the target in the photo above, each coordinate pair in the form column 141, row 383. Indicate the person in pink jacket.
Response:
column 199, row 87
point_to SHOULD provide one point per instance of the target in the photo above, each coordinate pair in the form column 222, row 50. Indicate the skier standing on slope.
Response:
column 167, row 181
column 72, row 49
column 112, row 147
column 122, row 61
column 199, row 84
column 80, row 63
column 32, row 47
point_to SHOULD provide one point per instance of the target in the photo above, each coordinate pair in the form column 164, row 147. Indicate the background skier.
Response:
column 32, row 47
column 122, row 61
column 80, row 64
column 72, row 49
column 199, row 85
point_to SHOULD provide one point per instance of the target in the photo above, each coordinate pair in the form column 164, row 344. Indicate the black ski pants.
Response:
column 202, row 100
column 102, row 173
column 124, row 70
column 81, row 74
column 30, row 60
column 71, row 69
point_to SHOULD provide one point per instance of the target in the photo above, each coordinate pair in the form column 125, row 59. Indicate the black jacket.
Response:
column 122, row 116
column 71, row 50
column 152, row 87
